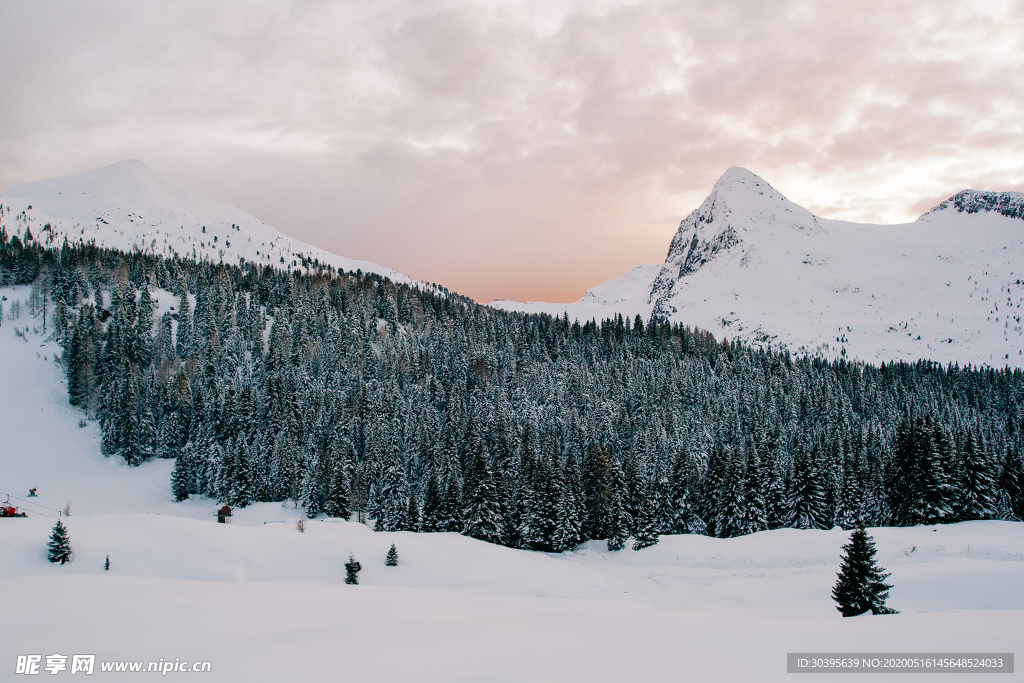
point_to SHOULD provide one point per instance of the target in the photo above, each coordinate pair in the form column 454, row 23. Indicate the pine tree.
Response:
column 807, row 495
column 646, row 533
column 979, row 492
column 182, row 475
column 352, row 569
column 568, row 531
column 483, row 510
column 339, row 495
column 618, row 521
column 861, row 585
column 392, row 557
column 106, row 564
column 59, row 547
column 412, row 517
column 754, row 516
column 1012, row 481
column 932, row 503
column 432, row 506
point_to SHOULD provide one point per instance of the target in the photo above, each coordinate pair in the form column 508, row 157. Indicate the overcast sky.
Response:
column 521, row 150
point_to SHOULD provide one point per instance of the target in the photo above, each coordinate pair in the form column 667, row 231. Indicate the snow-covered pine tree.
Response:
column 352, row 569
column 618, row 522
column 1012, row 480
column 412, row 516
column 731, row 506
column 432, row 506
column 59, row 547
column 978, row 488
column 568, row 527
column 338, row 495
column 183, row 475
column 646, row 533
column 807, row 495
column 861, row 586
column 391, row 560
column 932, row 503
column 754, row 516
column 482, row 513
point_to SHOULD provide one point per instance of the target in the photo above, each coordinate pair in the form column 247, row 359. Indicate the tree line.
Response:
column 415, row 407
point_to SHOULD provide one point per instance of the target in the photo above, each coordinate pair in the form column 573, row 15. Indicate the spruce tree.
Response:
column 432, row 506
column 338, row 495
column 392, row 557
column 59, row 547
column 979, row 492
column 807, row 495
column 861, row 585
column 1012, row 481
column 412, row 517
column 646, row 533
column 106, row 564
column 483, row 510
column 618, row 521
column 352, row 569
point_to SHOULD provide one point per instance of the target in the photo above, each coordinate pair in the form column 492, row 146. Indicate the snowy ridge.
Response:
column 1009, row 204
column 128, row 206
column 750, row 264
column 618, row 295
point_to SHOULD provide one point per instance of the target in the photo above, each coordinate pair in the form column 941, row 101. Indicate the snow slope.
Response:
column 750, row 264
column 263, row 602
column 128, row 206
column 625, row 294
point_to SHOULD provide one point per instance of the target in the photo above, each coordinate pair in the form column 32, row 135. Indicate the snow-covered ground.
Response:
column 263, row 602
column 750, row 264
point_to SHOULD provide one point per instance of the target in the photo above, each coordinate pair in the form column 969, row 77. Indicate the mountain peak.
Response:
column 1009, row 204
column 737, row 175
column 129, row 206
column 739, row 181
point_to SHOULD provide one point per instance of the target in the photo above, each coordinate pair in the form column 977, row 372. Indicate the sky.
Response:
column 517, row 150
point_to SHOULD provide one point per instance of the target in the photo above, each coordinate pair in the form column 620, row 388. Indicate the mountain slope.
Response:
column 128, row 206
column 750, row 264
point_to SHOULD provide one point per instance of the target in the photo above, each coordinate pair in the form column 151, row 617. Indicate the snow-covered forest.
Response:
column 424, row 411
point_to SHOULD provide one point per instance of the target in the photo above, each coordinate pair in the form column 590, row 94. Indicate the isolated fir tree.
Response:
column 391, row 560
column 59, row 547
column 106, row 564
column 861, row 585
column 352, row 569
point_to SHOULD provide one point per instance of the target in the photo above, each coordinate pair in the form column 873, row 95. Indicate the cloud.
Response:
column 515, row 149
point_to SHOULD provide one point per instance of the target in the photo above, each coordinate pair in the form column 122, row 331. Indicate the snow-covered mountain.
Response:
column 129, row 206
column 747, row 264
column 750, row 264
